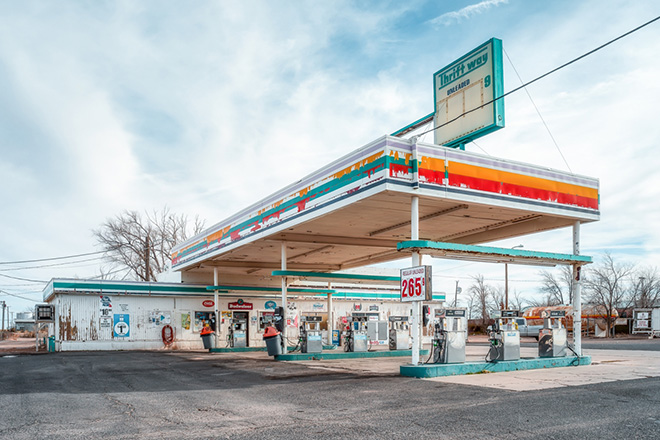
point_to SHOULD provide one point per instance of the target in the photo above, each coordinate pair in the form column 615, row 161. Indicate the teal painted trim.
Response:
column 440, row 370
column 346, row 355
column 421, row 121
column 494, row 251
column 295, row 203
column 133, row 288
column 336, row 276
column 251, row 349
column 498, row 84
column 236, row 349
column 361, row 295
column 269, row 289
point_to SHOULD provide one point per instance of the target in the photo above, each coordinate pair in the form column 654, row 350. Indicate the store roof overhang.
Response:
column 356, row 210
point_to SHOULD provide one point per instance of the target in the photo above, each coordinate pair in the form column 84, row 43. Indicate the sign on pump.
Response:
column 416, row 284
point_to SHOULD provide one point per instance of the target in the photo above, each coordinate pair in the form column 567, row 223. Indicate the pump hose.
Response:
column 296, row 347
column 578, row 357
column 491, row 360
column 431, row 351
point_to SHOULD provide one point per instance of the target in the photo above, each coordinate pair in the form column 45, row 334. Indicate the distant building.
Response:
column 24, row 321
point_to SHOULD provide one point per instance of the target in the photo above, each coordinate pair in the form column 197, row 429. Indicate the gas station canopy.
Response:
column 355, row 211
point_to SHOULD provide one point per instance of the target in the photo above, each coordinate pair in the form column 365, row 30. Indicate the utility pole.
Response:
column 146, row 259
column 4, row 305
column 456, row 295
column 506, row 280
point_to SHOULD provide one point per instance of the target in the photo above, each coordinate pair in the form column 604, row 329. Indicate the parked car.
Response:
column 531, row 331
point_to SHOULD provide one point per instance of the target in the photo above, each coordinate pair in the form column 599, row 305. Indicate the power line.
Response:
column 18, row 296
column 544, row 75
column 538, row 112
column 481, row 148
column 54, row 258
column 51, row 265
column 23, row 279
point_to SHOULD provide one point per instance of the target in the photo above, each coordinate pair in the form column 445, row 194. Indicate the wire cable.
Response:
column 24, row 279
column 544, row 75
column 18, row 296
column 538, row 112
column 56, row 258
column 478, row 146
column 52, row 265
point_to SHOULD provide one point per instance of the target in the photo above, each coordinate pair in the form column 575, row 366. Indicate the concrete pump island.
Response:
column 289, row 274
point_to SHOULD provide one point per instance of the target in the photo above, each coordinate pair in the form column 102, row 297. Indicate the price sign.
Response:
column 416, row 284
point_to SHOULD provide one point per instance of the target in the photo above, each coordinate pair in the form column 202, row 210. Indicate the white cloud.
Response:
column 449, row 18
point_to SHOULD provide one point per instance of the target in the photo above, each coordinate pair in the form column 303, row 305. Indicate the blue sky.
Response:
column 106, row 106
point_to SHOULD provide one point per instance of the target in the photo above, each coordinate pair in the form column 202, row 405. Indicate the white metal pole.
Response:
column 331, row 320
column 215, row 301
column 284, row 304
column 577, row 300
column 416, row 321
column 506, row 286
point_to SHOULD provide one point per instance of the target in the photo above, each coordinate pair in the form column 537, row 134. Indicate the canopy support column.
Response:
column 577, row 299
column 416, row 260
column 284, row 301
column 216, row 307
column 331, row 318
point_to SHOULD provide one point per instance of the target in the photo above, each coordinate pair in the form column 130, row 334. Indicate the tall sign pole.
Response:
column 414, row 223
column 416, row 284
column 216, row 308
column 577, row 300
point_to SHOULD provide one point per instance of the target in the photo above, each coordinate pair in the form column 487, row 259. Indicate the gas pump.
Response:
column 399, row 334
column 310, row 334
column 553, row 341
column 504, row 337
column 355, row 338
column 450, row 333
column 238, row 330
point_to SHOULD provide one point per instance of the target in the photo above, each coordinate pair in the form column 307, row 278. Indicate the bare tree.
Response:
column 516, row 301
column 605, row 284
column 142, row 246
column 546, row 301
column 497, row 295
column 480, row 294
column 559, row 288
column 645, row 287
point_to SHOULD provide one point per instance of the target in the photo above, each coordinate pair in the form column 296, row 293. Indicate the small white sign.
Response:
column 416, row 284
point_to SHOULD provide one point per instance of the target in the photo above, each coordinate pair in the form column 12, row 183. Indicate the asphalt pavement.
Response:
column 122, row 395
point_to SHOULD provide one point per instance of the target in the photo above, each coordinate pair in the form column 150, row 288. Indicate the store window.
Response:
column 265, row 320
column 200, row 319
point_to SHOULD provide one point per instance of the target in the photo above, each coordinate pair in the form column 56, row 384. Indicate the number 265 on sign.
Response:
column 416, row 284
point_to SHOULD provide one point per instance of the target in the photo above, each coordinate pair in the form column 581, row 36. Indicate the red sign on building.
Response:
column 240, row 305
column 208, row 303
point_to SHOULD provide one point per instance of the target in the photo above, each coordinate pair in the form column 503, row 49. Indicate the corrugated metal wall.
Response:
column 79, row 317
